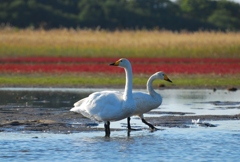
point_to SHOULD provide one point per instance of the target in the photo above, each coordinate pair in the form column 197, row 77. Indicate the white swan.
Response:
column 109, row 106
column 145, row 102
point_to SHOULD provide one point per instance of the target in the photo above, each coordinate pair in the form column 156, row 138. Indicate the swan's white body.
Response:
column 145, row 102
column 105, row 106
column 109, row 105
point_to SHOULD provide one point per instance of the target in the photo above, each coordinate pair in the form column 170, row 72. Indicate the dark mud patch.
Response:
column 187, row 121
column 169, row 113
column 61, row 120
column 44, row 120
column 221, row 103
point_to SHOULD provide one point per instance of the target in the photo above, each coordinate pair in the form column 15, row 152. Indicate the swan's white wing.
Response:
column 103, row 106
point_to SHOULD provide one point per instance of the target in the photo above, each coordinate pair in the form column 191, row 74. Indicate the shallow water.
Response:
column 174, row 144
column 201, row 102
column 197, row 143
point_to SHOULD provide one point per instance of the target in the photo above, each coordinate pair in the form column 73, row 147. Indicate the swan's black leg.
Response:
column 107, row 129
column 128, row 132
column 105, row 126
column 128, row 123
column 150, row 125
column 129, row 126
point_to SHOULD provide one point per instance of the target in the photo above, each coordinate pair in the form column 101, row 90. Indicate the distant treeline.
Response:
column 176, row 15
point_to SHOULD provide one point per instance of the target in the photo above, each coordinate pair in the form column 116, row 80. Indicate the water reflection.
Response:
column 44, row 99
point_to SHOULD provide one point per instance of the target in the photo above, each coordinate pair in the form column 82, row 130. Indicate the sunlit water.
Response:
column 221, row 143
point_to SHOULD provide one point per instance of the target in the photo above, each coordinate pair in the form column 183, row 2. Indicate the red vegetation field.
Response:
column 140, row 65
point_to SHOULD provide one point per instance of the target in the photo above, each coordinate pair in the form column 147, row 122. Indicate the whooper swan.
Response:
column 106, row 106
column 145, row 102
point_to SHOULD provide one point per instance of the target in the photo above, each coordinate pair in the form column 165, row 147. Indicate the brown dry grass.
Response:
column 93, row 43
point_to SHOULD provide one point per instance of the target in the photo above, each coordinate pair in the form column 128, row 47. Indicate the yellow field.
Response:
column 90, row 43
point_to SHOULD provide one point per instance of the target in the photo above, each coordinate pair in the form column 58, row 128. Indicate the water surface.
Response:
column 196, row 143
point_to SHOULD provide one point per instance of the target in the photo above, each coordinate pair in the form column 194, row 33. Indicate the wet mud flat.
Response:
column 185, row 120
column 43, row 120
column 61, row 120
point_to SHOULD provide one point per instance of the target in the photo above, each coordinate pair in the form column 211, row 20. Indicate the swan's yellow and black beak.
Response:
column 166, row 78
column 115, row 63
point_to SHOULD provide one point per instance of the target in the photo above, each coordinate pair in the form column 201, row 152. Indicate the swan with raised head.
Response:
column 106, row 106
column 145, row 102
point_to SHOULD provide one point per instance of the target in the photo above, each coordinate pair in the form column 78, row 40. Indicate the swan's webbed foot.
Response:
column 150, row 125
column 107, row 129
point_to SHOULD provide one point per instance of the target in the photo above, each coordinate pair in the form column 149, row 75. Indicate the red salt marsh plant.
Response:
column 140, row 65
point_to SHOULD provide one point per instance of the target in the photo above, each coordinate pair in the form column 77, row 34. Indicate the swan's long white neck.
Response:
column 149, row 85
column 128, row 84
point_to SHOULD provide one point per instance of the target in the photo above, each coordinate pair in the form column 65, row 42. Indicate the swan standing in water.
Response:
column 145, row 102
column 106, row 106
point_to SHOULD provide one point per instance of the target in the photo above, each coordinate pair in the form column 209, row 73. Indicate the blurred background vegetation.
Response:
column 178, row 15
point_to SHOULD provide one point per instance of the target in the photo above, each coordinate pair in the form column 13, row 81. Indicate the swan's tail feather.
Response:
column 74, row 109
column 84, row 113
column 76, row 104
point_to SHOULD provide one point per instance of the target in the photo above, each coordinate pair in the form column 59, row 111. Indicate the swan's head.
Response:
column 161, row 75
column 121, row 63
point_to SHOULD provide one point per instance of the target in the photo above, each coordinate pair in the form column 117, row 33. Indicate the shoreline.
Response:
column 92, row 87
column 54, row 120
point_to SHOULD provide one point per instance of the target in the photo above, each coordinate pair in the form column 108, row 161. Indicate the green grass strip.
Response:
column 76, row 80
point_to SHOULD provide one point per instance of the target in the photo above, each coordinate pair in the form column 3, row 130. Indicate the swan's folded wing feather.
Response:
column 100, row 106
column 76, row 104
column 104, row 105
